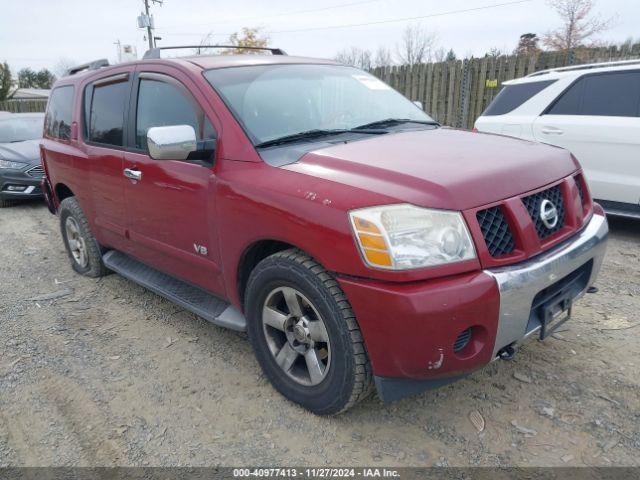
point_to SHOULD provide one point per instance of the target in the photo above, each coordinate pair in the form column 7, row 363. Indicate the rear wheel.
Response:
column 305, row 334
column 83, row 249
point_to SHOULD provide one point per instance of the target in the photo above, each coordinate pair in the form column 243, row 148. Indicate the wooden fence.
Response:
column 23, row 106
column 455, row 93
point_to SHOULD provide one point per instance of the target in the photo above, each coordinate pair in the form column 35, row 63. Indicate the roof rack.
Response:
column 155, row 52
column 619, row 63
column 96, row 64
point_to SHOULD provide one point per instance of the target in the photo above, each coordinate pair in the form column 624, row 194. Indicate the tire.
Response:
column 86, row 254
column 338, row 371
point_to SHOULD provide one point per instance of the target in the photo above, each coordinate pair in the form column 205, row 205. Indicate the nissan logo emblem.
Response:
column 548, row 214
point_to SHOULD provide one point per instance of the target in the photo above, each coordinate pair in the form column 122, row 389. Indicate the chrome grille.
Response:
column 36, row 172
column 532, row 203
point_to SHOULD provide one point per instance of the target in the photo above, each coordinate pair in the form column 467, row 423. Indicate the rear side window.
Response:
column 57, row 121
column 106, row 113
column 512, row 96
column 570, row 102
column 611, row 94
column 162, row 104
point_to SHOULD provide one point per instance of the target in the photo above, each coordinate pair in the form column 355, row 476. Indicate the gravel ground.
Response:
column 111, row 374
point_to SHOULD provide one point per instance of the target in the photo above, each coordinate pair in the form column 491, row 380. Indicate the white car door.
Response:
column 598, row 120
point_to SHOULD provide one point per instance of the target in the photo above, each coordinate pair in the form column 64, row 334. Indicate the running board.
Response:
column 622, row 213
column 191, row 298
column 620, row 209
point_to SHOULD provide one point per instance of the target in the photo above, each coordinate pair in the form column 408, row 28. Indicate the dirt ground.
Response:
column 111, row 374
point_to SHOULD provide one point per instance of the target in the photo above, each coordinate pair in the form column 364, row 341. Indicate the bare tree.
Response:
column 494, row 52
column 628, row 46
column 205, row 40
column 383, row 57
column 439, row 55
column 63, row 65
column 578, row 24
column 356, row 57
column 417, row 45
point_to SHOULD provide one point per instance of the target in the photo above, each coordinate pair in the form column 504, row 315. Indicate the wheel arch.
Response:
column 62, row 191
column 252, row 256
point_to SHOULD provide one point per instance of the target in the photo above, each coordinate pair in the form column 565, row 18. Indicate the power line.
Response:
column 282, row 14
column 380, row 22
column 405, row 19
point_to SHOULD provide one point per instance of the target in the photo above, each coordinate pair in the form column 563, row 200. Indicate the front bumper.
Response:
column 17, row 185
column 519, row 285
column 410, row 329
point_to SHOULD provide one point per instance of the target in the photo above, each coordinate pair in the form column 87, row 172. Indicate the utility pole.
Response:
column 118, row 44
column 145, row 20
column 149, row 32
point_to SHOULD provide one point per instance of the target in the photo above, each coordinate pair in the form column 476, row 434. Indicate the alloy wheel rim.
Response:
column 296, row 336
column 77, row 245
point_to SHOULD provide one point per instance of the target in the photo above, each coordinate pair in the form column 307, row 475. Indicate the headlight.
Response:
column 402, row 237
column 14, row 165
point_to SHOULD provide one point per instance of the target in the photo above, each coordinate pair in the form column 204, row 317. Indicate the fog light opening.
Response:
column 470, row 342
column 462, row 341
column 15, row 188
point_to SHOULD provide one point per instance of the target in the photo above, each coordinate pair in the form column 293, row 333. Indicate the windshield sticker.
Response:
column 371, row 83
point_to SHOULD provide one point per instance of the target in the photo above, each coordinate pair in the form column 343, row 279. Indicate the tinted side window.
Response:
column 57, row 122
column 610, row 94
column 106, row 118
column 570, row 102
column 614, row 94
column 512, row 96
column 162, row 104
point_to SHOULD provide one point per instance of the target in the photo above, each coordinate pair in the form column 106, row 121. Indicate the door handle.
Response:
column 552, row 131
column 133, row 174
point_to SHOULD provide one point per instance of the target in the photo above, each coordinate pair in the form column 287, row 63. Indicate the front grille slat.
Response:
column 579, row 181
column 36, row 172
column 580, row 190
column 533, row 204
column 496, row 231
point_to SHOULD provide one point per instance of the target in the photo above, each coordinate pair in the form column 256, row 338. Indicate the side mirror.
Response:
column 174, row 142
column 418, row 104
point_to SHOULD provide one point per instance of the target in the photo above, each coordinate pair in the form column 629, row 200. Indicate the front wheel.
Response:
column 82, row 247
column 305, row 334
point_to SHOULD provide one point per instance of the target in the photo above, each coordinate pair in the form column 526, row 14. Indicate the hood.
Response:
column 442, row 168
column 25, row 152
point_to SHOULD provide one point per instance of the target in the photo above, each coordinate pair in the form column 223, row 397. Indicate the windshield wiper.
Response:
column 390, row 122
column 306, row 135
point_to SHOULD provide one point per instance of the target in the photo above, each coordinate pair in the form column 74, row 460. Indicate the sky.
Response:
column 40, row 33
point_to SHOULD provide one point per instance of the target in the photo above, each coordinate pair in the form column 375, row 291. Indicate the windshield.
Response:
column 273, row 101
column 19, row 129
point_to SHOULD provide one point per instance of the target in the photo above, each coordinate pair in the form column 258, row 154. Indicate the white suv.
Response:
column 591, row 110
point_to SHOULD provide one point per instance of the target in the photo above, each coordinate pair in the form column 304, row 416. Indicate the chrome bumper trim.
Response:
column 519, row 284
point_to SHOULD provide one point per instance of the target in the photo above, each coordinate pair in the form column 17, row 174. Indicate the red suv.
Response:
column 356, row 241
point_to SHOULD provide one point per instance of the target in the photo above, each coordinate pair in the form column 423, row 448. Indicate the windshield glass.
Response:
column 272, row 101
column 19, row 129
